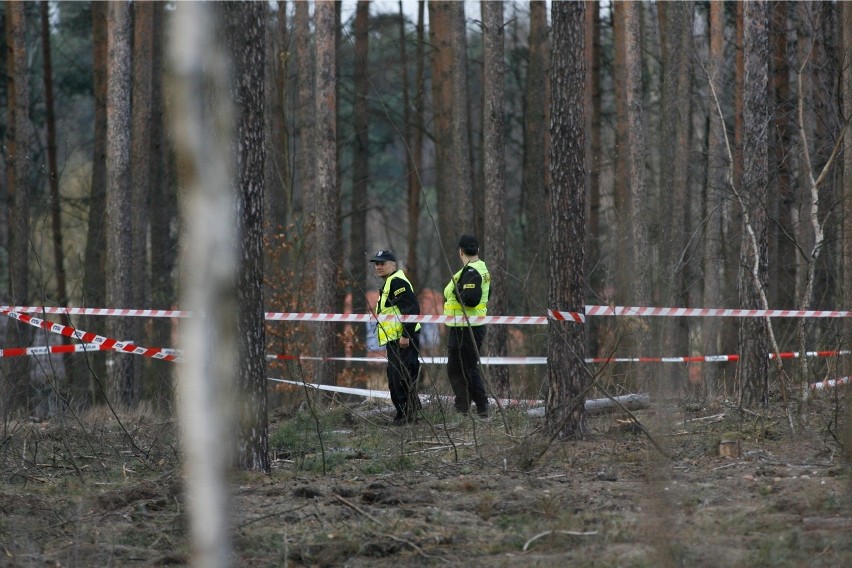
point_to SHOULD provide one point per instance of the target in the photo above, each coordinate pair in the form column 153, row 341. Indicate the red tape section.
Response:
column 104, row 342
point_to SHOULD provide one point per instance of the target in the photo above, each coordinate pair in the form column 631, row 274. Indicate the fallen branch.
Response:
column 545, row 533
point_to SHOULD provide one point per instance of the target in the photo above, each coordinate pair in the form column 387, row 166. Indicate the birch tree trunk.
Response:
column 208, row 267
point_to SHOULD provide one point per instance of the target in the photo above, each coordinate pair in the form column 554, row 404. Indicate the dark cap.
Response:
column 384, row 256
column 469, row 244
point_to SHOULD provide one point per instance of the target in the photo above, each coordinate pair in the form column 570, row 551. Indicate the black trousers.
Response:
column 463, row 367
column 403, row 370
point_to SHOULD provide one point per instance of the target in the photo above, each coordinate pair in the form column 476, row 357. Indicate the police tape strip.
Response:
column 711, row 312
column 629, row 311
column 505, row 402
column 99, row 342
column 65, row 349
column 104, row 342
column 543, row 360
column 370, row 393
column 49, row 350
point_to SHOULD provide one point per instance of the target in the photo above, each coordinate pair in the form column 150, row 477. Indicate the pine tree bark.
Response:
column 494, row 149
column 534, row 190
column 94, row 276
column 327, row 197
column 164, row 206
column 141, row 168
column 567, row 376
column 846, row 93
column 124, row 386
column 18, row 140
column 245, row 32
column 753, row 370
column 413, row 133
column 717, row 183
column 621, row 190
column 635, row 153
column 675, row 197
column 305, row 179
column 360, row 164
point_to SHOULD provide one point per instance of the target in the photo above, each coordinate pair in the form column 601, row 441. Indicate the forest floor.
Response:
column 347, row 488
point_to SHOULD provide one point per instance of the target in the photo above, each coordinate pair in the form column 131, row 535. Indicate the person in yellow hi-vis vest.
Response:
column 401, row 339
column 466, row 296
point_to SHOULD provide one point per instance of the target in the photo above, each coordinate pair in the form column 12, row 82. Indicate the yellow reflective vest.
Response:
column 452, row 305
column 392, row 329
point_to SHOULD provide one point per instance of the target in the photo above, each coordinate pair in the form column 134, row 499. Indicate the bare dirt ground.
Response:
column 349, row 489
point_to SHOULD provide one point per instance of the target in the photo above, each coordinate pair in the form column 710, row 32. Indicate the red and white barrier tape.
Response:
column 96, row 311
column 105, row 342
column 49, row 350
column 631, row 311
column 711, row 312
column 63, row 349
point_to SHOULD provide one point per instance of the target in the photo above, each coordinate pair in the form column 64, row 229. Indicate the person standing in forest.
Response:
column 466, row 296
column 401, row 339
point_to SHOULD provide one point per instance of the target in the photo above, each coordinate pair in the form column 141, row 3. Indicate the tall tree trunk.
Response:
column 208, row 266
column 753, row 368
column 440, row 39
column 18, row 155
column 141, row 168
column 638, row 204
column 413, row 133
column 535, row 201
column 164, row 206
column 18, row 140
column 305, row 159
column 567, row 376
column 245, row 32
column 124, row 387
column 360, row 165
column 466, row 213
column 53, row 176
column 784, row 205
column 325, row 154
column 846, row 93
column 825, row 72
column 494, row 152
column 53, row 168
column 595, row 272
column 94, row 275
column 675, row 36
column 621, row 195
column 715, row 273
column 277, row 200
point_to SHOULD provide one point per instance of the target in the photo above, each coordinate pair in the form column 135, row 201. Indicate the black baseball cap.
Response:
column 384, row 256
column 469, row 244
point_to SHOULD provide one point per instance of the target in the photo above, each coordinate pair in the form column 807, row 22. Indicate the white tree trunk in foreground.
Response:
column 203, row 122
